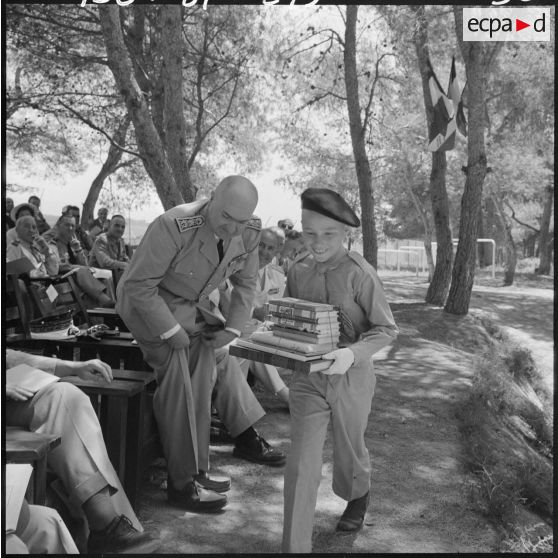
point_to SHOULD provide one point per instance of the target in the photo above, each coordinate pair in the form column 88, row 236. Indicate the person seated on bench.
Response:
column 81, row 462
column 271, row 284
column 40, row 530
column 109, row 249
column 70, row 255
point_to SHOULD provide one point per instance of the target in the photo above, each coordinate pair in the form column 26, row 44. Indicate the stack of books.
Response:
column 301, row 332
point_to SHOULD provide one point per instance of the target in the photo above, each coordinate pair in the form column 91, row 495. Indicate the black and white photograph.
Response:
column 278, row 277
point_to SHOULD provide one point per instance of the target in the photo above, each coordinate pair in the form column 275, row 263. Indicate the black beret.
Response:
column 329, row 203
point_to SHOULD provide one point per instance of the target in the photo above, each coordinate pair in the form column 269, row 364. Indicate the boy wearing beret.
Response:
column 329, row 273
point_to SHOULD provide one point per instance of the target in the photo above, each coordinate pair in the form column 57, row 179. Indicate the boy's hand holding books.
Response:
column 343, row 359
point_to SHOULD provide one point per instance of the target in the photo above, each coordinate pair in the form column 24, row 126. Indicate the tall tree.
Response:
column 439, row 285
column 358, row 137
column 477, row 57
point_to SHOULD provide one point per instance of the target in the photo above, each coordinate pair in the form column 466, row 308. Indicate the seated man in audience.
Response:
column 80, row 232
column 99, row 225
column 28, row 244
column 70, row 255
column 271, row 284
column 18, row 211
column 292, row 250
column 42, row 225
column 10, row 224
column 109, row 250
column 81, row 463
column 40, row 530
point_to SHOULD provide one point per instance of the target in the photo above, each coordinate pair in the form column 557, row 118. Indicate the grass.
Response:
column 506, row 424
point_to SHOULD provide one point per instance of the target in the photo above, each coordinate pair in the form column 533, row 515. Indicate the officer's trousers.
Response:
column 313, row 400
column 182, row 404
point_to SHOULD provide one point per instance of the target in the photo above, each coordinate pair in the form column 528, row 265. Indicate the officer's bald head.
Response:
column 235, row 189
column 232, row 205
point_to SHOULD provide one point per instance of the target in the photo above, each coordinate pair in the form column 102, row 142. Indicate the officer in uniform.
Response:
column 163, row 297
column 343, row 392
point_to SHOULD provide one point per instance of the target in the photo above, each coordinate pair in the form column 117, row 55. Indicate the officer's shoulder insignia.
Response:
column 16, row 242
column 187, row 223
column 255, row 223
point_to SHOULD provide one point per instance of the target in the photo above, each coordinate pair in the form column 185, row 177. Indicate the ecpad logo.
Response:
column 506, row 24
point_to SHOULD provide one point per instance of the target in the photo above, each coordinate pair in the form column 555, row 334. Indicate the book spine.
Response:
column 290, row 312
column 302, row 304
column 296, row 322
column 292, row 345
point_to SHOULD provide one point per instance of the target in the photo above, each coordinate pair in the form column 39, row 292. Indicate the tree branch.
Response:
column 517, row 220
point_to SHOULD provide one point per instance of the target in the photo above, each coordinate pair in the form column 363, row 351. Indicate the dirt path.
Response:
column 419, row 489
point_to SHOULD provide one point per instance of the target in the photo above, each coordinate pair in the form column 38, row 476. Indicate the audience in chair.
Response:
column 109, row 249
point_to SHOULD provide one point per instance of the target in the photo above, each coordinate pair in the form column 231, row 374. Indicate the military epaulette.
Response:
column 360, row 261
column 187, row 223
column 255, row 223
column 16, row 242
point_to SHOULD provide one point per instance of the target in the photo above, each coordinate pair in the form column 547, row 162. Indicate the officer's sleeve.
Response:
column 371, row 297
column 102, row 254
column 149, row 265
column 244, row 284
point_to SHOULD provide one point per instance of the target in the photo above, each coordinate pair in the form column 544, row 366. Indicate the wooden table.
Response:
column 24, row 446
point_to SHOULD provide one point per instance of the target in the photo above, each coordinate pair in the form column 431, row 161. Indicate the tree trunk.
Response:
column 423, row 216
column 440, row 281
column 109, row 166
column 463, row 274
column 149, row 143
column 545, row 247
column 173, row 113
column 511, row 255
column 364, row 174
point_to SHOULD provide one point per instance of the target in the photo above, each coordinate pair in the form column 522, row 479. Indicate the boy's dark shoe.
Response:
column 120, row 537
column 353, row 516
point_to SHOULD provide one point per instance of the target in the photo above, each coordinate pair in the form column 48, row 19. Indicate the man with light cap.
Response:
column 163, row 297
column 343, row 392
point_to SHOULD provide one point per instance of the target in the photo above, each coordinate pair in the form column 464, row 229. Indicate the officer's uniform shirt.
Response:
column 353, row 285
column 44, row 266
column 177, row 261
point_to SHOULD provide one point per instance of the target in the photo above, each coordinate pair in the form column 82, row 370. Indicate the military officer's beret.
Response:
column 329, row 203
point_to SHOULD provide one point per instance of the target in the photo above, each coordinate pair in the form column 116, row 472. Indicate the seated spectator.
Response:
column 99, row 225
column 9, row 205
column 70, row 255
column 40, row 530
column 85, row 473
column 42, row 225
column 292, row 249
column 80, row 232
column 18, row 211
column 109, row 249
column 271, row 284
column 28, row 244
column 285, row 224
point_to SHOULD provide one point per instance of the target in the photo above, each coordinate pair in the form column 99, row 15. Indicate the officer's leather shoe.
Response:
column 120, row 537
column 353, row 516
column 258, row 450
column 194, row 498
column 216, row 483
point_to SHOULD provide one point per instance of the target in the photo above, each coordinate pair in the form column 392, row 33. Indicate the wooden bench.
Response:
column 24, row 446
